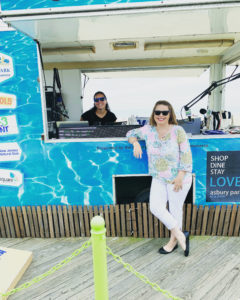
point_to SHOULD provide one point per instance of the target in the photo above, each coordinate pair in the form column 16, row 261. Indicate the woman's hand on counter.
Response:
column 137, row 150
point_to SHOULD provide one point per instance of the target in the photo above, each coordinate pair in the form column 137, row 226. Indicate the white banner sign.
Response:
column 8, row 125
column 10, row 152
column 6, row 67
column 10, row 178
column 7, row 101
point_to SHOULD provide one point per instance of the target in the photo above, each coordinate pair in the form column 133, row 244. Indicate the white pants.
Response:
column 159, row 195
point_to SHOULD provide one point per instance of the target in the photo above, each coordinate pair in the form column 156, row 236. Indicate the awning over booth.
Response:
column 146, row 35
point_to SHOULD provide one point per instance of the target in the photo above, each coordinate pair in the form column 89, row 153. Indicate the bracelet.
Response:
column 134, row 142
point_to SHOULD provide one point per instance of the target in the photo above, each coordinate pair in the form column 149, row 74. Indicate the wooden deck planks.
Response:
column 161, row 230
column 117, row 216
column 210, row 220
column 81, row 220
column 134, row 221
column 20, row 220
column 50, row 221
column 139, row 218
column 60, row 220
column 237, row 224
column 121, row 220
column 194, row 217
column 128, row 220
column 2, row 227
column 35, row 222
column 55, row 222
column 208, row 273
column 232, row 220
column 112, row 221
column 30, row 220
column 76, row 220
column 221, row 220
column 145, row 221
column 10, row 220
column 5, row 220
column 71, row 221
column 66, row 222
column 150, row 222
column 199, row 220
column 86, row 220
column 106, row 217
column 205, row 218
column 45, row 221
column 156, row 227
column 227, row 220
column 215, row 220
column 188, row 217
column 40, row 221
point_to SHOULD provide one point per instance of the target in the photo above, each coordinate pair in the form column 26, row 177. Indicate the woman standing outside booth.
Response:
column 170, row 164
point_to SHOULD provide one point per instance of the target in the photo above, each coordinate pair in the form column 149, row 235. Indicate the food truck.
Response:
column 50, row 157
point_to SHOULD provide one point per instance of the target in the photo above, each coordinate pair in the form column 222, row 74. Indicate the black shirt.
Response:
column 93, row 119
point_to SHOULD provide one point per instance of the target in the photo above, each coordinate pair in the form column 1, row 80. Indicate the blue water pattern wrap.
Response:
column 80, row 173
column 29, row 4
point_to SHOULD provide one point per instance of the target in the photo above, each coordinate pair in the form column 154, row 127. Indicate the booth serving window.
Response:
column 131, row 98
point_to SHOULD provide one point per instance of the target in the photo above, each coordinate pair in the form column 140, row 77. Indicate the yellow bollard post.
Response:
column 98, row 235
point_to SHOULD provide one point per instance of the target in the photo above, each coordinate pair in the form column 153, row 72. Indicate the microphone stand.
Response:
column 208, row 91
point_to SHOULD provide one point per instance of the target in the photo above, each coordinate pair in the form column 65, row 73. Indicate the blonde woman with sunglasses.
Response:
column 100, row 113
column 170, row 164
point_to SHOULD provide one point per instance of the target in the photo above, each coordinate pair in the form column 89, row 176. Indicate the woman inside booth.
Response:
column 100, row 113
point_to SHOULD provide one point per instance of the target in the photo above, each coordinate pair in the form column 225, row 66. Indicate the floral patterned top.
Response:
column 168, row 155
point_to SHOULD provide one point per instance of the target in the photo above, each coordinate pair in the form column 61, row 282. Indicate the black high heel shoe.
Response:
column 163, row 251
column 186, row 252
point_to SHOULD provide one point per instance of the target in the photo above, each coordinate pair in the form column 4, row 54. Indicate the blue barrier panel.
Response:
column 216, row 165
column 29, row 4
column 33, row 172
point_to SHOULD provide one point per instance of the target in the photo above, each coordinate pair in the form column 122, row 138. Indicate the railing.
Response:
column 121, row 220
column 99, row 251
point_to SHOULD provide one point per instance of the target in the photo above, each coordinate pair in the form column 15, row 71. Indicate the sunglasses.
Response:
column 163, row 112
column 99, row 99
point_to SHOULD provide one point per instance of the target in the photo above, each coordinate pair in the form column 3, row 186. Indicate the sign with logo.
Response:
column 142, row 120
column 8, row 125
column 13, row 264
column 9, row 152
column 10, row 178
column 7, row 101
column 223, row 178
column 6, row 67
column 2, row 252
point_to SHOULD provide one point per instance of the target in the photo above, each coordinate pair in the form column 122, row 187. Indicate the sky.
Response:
column 137, row 96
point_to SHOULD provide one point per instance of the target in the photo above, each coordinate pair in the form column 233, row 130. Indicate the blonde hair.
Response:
column 172, row 118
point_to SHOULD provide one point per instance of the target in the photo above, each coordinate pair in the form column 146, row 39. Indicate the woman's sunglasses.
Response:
column 99, row 99
column 159, row 112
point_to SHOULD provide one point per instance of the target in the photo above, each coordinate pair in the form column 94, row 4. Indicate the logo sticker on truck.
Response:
column 10, row 152
column 7, row 101
column 10, row 178
column 8, row 125
column 6, row 67
column 2, row 252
